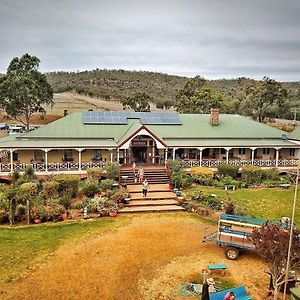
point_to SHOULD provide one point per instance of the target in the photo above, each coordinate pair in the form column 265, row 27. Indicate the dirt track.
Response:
column 145, row 259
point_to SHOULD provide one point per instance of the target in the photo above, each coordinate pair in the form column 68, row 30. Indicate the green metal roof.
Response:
column 196, row 130
column 230, row 143
column 295, row 134
column 230, row 126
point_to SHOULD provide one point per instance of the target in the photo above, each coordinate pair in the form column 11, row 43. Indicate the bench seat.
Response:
column 239, row 292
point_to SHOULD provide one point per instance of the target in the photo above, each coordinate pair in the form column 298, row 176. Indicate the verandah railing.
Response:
column 71, row 166
column 257, row 162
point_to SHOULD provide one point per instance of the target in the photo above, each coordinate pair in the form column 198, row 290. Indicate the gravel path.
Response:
column 145, row 259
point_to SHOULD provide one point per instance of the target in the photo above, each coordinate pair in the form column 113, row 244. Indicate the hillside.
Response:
column 117, row 84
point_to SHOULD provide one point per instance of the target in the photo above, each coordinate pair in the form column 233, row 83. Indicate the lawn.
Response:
column 266, row 203
column 24, row 247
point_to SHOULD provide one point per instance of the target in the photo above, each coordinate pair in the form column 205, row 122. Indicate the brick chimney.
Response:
column 214, row 116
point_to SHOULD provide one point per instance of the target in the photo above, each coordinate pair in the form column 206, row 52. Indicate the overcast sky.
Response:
column 211, row 38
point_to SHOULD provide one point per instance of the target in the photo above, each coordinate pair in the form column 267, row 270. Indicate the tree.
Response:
column 271, row 242
column 137, row 102
column 23, row 90
column 190, row 87
column 261, row 96
column 201, row 101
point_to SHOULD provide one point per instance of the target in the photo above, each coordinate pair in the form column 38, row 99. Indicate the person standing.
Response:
column 145, row 187
column 141, row 174
column 208, row 288
column 133, row 168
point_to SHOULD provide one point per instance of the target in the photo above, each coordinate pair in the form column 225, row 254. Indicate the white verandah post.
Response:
column 174, row 149
column 11, row 160
column 277, row 156
column 79, row 158
column 200, row 156
column 227, row 154
column 118, row 155
column 46, row 158
column 252, row 155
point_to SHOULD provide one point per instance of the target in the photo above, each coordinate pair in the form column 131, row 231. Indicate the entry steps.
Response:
column 159, row 199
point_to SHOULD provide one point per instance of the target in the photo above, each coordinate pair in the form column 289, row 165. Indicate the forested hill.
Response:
column 118, row 84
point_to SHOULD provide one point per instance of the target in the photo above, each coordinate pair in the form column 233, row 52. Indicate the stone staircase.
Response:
column 153, row 174
column 159, row 199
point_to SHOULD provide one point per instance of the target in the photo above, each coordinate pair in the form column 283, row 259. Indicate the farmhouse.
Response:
column 86, row 139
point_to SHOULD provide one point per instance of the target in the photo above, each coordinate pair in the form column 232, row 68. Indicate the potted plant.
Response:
column 111, row 208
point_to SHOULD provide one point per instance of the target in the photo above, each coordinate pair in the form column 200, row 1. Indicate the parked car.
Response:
column 15, row 129
column 4, row 126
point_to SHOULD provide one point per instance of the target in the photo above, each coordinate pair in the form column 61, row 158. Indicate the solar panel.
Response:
column 147, row 118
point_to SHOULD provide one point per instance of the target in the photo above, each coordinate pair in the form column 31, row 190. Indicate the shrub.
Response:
column 252, row 175
column 15, row 176
column 272, row 174
column 65, row 202
column 230, row 207
column 228, row 170
column 112, row 170
column 67, row 184
column 21, row 211
column 228, row 180
column 174, row 165
column 29, row 173
column 181, row 179
column 202, row 175
column 29, row 188
column 94, row 174
column 119, row 195
column 106, row 184
column 90, row 188
column 51, row 189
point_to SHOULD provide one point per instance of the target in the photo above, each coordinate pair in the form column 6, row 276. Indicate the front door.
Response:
column 139, row 155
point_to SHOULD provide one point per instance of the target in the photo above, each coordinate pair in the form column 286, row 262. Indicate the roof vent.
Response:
column 284, row 137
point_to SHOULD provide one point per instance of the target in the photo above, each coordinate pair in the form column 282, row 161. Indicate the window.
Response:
column 266, row 151
column 68, row 155
column 38, row 155
column 242, row 151
column 15, row 156
column 292, row 152
column 223, row 151
column 192, row 153
column 97, row 155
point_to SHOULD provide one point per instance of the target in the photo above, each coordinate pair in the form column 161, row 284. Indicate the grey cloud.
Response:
column 216, row 39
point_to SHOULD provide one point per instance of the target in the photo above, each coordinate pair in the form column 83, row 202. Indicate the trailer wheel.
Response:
column 232, row 253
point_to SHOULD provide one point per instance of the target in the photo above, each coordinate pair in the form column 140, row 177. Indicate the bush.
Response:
column 252, row 175
column 21, row 212
column 181, row 179
column 112, row 170
column 94, row 174
column 230, row 207
column 29, row 188
column 202, row 175
column 90, row 188
column 174, row 165
column 65, row 202
column 228, row 170
column 106, row 184
column 67, row 184
column 51, row 189
column 228, row 180
column 272, row 174
column 119, row 195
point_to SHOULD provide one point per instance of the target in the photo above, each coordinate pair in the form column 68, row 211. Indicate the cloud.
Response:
column 216, row 39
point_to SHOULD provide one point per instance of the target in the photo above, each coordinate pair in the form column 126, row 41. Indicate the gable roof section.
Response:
column 135, row 133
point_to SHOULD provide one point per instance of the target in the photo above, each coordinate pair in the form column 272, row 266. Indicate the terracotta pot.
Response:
column 113, row 213
column 171, row 186
column 37, row 220
column 180, row 199
column 64, row 216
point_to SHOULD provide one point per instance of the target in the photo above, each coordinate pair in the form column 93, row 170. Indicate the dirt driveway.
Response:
column 145, row 259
